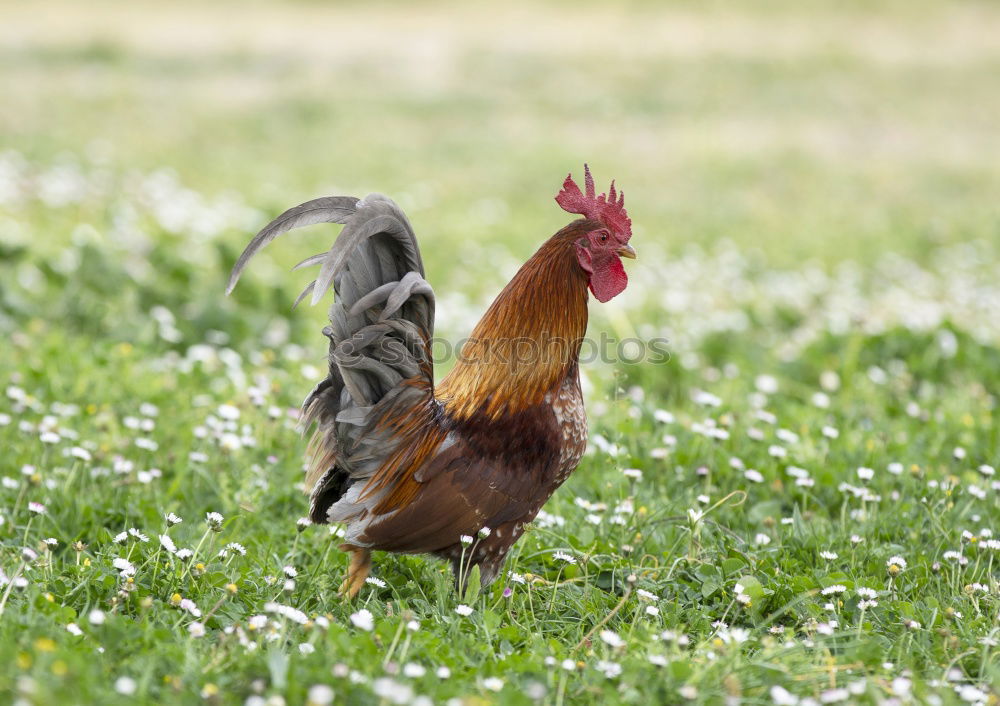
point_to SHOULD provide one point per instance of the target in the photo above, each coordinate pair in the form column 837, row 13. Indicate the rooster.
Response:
column 413, row 467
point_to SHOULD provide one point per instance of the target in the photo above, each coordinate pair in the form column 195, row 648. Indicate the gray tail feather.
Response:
column 329, row 209
column 381, row 324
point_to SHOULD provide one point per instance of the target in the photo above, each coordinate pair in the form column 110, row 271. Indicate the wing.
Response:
column 484, row 473
column 459, row 492
column 378, row 396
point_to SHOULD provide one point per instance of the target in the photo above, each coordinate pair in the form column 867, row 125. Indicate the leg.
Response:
column 357, row 572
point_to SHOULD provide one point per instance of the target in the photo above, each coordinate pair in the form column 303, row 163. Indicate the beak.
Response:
column 626, row 251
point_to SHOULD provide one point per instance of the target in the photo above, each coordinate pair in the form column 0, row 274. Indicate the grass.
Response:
column 813, row 192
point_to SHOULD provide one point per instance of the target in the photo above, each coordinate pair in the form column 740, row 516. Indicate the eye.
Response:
column 604, row 237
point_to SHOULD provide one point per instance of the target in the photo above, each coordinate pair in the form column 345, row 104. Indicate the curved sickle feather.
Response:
column 304, row 294
column 328, row 209
column 310, row 261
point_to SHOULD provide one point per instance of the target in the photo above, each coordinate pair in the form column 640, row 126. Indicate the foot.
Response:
column 357, row 571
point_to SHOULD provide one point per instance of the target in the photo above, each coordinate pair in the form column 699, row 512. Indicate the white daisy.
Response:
column 363, row 619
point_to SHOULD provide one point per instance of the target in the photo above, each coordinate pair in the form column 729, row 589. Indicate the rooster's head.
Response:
column 604, row 242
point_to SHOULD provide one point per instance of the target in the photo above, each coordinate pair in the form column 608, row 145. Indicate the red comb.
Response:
column 609, row 208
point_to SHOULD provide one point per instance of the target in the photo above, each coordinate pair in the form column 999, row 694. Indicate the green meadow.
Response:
column 799, row 505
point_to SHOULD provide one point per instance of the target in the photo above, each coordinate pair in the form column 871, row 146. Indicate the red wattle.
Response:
column 608, row 279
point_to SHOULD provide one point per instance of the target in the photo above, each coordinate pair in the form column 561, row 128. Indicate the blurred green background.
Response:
column 788, row 131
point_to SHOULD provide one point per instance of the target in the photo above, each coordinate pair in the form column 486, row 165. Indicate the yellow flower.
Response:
column 209, row 690
column 45, row 644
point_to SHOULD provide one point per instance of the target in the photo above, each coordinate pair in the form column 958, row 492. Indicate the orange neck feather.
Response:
column 528, row 340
